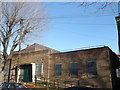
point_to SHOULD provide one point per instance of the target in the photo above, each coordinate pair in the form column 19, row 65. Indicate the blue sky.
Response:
column 72, row 27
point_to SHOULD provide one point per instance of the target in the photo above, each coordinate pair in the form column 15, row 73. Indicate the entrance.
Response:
column 27, row 73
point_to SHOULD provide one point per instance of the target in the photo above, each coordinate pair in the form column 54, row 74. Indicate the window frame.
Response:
column 93, row 73
column 36, row 69
column 55, row 73
column 71, row 73
column 118, row 73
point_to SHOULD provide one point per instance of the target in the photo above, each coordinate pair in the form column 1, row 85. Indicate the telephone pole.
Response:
column 118, row 26
column 20, row 40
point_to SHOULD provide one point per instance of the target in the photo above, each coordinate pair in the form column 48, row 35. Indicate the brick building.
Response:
column 94, row 67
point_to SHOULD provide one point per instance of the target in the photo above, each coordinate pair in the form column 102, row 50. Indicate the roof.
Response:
column 38, row 47
column 118, row 56
column 85, row 49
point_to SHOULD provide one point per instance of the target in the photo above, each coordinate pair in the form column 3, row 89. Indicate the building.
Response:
column 94, row 67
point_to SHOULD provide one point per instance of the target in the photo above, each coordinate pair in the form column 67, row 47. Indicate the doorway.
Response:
column 27, row 72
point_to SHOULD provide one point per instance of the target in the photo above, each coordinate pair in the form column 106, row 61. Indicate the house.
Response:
column 93, row 67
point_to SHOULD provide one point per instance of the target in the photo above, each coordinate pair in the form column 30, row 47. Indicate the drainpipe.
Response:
column 49, row 64
column 49, row 52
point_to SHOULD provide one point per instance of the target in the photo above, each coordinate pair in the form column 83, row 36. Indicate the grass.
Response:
column 43, row 84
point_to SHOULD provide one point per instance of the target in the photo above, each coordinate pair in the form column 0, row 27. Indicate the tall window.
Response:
column 74, row 69
column 92, row 69
column 39, row 69
column 58, row 69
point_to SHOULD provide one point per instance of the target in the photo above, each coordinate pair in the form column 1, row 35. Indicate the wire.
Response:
column 87, row 35
column 83, row 23
column 80, row 16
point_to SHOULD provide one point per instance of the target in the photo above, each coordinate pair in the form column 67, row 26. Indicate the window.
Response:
column 58, row 69
column 118, row 73
column 39, row 69
column 6, row 71
column 73, row 69
column 92, row 69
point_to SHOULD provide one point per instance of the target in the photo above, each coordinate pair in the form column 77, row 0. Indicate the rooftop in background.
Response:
column 37, row 47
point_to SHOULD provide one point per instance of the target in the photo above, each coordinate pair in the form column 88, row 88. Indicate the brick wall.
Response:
column 105, row 60
column 41, row 56
column 114, row 64
column 100, row 55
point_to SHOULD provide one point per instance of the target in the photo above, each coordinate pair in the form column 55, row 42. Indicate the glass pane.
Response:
column 74, row 69
column 39, row 69
column 92, row 69
column 58, row 69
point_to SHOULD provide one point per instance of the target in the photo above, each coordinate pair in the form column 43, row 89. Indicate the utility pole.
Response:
column 20, row 40
column 118, row 26
column 10, row 60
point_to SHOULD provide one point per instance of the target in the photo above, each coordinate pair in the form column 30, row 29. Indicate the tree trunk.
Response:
column 9, row 70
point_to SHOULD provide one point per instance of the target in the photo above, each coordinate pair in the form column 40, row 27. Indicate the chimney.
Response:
column 28, row 45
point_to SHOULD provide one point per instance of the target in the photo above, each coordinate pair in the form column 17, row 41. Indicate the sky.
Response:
column 72, row 27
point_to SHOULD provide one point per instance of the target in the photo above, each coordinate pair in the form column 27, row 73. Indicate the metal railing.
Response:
column 61, row 83
column 44, row 82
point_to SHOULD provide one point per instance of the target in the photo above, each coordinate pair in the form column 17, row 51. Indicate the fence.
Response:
column 44, row 82
column 57, row 83
column 12, row 78
column 60, row 83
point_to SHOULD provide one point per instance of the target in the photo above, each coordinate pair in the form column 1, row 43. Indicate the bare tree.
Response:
column 18, row 19
column 98, row 5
